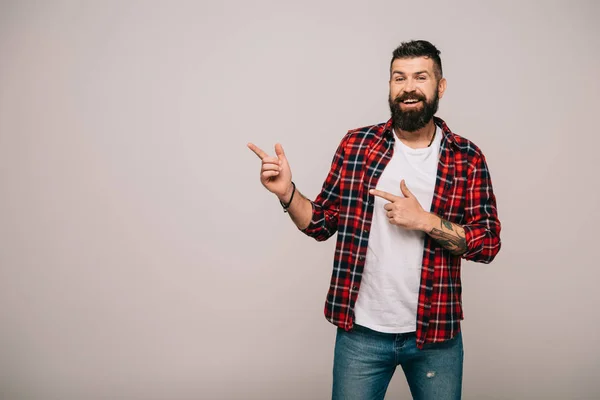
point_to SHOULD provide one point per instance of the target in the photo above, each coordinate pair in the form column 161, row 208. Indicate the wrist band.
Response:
column 286, row 206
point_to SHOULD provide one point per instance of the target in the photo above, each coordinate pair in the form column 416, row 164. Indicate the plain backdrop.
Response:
column 140, row 257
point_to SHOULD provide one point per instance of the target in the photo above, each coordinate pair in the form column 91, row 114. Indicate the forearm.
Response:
column 449, row 235
column 300, row 209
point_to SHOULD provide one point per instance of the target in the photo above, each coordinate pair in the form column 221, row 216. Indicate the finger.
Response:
column 388, row 207
column 259, row 153
column 271, row 160
column 269, row 174
column 407, row 193
column 384, row 195
column 279, row 150
column 271, row 167
column 390, row 215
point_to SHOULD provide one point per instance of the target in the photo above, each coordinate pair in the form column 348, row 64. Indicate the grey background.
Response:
column 140, row 258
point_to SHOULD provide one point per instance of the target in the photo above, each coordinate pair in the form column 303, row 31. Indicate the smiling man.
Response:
column 408, row 199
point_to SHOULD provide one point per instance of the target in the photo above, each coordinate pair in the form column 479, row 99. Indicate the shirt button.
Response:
column 376, row 174
column 354, row 287
column 361, row 258
column 365, row 230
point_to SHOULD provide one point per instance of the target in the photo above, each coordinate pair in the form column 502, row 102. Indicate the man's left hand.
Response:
column 403, row 211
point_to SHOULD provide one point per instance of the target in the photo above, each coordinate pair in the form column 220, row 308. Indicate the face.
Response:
column 414, row 93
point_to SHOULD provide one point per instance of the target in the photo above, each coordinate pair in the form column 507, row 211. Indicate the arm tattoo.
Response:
column 450, row 236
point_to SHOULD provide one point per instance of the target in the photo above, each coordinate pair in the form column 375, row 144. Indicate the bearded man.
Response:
column 408, row 199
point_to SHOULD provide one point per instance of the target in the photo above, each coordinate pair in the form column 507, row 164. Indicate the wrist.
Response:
column 285, row 197
column 429, row 221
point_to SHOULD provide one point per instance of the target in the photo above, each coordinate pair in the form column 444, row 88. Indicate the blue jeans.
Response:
column 365, row 361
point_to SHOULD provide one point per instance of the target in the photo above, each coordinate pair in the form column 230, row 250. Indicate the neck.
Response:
column 419, row 138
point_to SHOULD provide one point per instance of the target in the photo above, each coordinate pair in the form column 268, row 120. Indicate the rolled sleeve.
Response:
column 482, row 228
column 323, row 224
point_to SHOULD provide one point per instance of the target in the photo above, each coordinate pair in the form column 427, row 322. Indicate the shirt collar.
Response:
column 387, row 129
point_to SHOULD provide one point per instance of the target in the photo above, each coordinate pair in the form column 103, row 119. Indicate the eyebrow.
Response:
column 416, row 73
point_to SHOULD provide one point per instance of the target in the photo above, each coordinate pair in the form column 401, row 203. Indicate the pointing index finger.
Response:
column 384, row 195
column 261, row 154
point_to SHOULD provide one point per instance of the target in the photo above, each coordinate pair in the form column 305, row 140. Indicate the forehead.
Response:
column 411, row 65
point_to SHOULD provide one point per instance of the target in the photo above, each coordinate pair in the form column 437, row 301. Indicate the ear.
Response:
column 441, row 87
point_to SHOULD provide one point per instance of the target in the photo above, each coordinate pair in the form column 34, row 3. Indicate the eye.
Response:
column 421, row 78
column 399, row 79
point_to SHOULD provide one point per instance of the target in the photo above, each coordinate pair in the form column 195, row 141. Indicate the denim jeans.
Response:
column 365, row 361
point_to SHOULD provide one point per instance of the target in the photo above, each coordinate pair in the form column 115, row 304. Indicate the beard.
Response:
column 412, row 120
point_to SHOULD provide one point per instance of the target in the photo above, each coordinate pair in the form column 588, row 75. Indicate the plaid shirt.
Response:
column 463, row 195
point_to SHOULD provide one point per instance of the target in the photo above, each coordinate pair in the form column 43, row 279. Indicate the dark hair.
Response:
column 419, row 48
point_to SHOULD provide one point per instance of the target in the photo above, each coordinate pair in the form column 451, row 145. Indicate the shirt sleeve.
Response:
column 482, row 228
column 326, row 206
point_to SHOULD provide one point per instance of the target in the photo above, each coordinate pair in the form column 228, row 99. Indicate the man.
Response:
column 395, row 291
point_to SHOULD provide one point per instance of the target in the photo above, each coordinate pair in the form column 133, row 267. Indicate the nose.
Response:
column 409, row 86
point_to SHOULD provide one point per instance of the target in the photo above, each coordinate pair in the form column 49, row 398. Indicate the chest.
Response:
column 440, row 179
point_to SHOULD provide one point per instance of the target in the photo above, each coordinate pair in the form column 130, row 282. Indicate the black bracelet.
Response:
column 286, row 206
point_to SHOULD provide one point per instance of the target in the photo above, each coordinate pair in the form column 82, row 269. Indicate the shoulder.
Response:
column 458, row 142
column 469, row 154
column 466, row 146
column 464, row 150
column 368, row 131
column 363, row 136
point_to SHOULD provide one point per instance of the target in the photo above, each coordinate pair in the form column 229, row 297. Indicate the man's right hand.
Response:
column 275, row 172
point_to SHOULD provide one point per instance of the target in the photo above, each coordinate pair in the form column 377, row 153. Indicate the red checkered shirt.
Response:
column 463, row 195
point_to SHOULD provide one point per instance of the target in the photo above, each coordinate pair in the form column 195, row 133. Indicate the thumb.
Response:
column 407, row 193
column 279, row 151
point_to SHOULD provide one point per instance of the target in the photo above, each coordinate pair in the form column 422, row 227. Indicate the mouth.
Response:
column 410, row 102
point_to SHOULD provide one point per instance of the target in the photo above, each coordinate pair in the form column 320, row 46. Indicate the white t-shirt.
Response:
column 389, row 289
